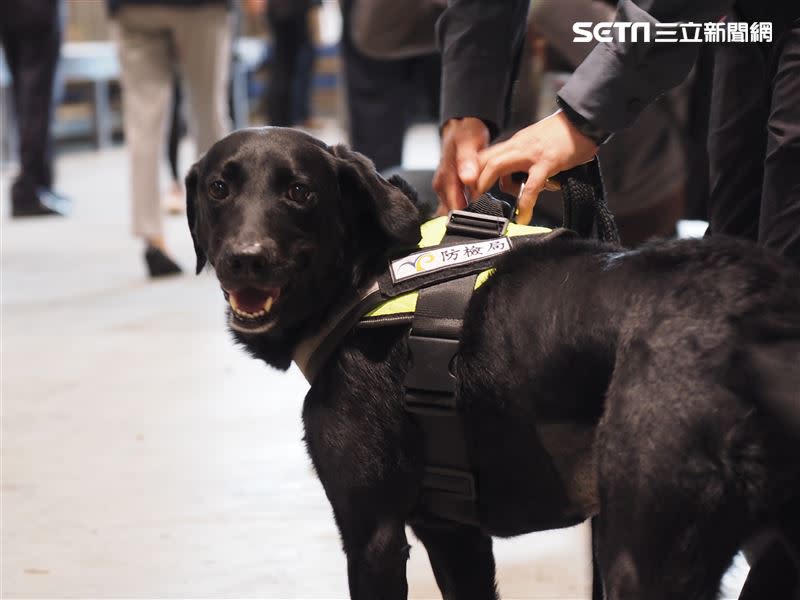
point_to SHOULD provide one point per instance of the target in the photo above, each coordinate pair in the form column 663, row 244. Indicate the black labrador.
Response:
column 652, row 388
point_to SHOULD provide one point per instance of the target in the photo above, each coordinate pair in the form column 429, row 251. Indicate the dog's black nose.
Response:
column 249, row 261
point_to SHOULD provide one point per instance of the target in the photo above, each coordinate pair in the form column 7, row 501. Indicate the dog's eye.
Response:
column 298, row 192
column 218, row 189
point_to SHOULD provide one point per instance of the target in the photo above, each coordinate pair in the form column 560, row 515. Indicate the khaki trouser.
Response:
column 152, row 42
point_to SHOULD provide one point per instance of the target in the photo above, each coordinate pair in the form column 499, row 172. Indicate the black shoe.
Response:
column 43, row 204
column 32, row 209
column 159, row 264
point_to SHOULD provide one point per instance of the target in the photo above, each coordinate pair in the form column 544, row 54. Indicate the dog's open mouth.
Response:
column 251, row 307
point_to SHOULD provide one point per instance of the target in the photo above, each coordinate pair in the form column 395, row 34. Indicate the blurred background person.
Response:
column 391, row 72
column 644, row 167
column 174, row 199
column 31, row 36
column 154, row 37
column 292, row 58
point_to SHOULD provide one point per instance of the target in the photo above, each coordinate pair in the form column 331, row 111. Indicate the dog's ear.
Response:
column 192, row 216
column 388, row 203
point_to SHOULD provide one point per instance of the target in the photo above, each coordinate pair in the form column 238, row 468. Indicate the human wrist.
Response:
column 473, row 123
column 581, row 124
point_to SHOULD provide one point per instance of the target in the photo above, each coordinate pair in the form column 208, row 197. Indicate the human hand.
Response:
column 462, row 139
column 543, row 149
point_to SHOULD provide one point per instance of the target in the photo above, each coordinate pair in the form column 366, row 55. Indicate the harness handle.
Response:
column 585, row 206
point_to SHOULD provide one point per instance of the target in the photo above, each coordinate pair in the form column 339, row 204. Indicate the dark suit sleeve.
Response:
column 480, row 42
column 618, row 79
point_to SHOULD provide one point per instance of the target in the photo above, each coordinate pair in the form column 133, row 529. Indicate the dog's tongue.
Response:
column 252, row 300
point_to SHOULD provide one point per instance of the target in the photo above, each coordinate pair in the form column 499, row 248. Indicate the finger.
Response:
column 470, row 193
column 484, row 156
column 444, row 183
column 467, row 159
column 530, row 193
column 439, row 179
column 467, row 165
column 452, row 193
column 505, row 164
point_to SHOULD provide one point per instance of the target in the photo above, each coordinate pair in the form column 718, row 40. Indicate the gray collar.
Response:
column 312, row 352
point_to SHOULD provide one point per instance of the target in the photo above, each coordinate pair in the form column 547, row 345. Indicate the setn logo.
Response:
column 586, row 31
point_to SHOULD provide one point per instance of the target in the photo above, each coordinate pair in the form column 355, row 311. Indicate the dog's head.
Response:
column 288, row 223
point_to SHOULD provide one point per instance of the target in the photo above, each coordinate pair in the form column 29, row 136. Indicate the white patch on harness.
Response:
column 436, row 259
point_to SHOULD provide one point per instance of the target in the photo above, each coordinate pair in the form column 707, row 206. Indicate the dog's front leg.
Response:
column 376, row 561
column 462, row 560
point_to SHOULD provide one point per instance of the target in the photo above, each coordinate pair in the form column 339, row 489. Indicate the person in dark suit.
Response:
column 481, row 45
column 31, row 37
column 754, row 132
column 391, row 75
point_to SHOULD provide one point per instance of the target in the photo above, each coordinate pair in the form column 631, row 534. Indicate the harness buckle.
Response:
column 430, row 369
column 477, row 225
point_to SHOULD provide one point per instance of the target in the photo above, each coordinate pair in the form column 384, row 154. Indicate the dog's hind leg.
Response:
column 672, row 514
column 462, row 560
column 663, row 552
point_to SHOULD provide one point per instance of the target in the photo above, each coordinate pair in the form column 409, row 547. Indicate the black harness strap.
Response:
column 448, row 485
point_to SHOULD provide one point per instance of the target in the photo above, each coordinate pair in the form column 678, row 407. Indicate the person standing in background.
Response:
column 391, row 70
column 31, row 36
column 175, row 200
column 154, row 37
column 292, row 60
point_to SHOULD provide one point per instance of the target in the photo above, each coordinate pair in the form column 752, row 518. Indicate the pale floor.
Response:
column 143, row 455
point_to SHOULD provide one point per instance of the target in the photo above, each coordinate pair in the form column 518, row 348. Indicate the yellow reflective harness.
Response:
column 432, row 233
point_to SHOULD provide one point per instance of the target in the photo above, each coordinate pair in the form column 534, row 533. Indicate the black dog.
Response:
column 651, row 388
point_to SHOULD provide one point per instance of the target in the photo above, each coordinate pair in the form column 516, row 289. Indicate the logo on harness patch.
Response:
column 427, row 261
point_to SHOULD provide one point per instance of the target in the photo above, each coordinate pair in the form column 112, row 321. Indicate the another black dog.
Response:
column 650, row 388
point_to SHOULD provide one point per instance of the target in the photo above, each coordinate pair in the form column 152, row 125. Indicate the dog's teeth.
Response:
column 250, row 315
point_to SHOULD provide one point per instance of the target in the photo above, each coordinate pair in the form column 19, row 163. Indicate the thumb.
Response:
column 467, row 159
column 467, row 162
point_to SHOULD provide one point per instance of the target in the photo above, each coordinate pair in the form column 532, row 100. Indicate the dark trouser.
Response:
column 289, row 36
column 177, row 129
column 382, row 98
column 301, row 90
column 754, row 142
column 31, row 36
